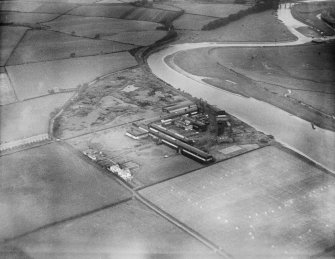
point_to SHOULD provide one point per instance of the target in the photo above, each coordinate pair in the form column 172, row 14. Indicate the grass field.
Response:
column 191, row 22
column 258, row 27
column 7, row 94
column 263, row 203
column 47, row 184
column 103, row 10
column 92, row 26
column 128, row 230
column 37, row 7
column 126, row 12
column 35, row 79
column 154, row 15
column 215, row 10
column 20, row 18
column 140, row 38
column 10, row 36
column 29, row 118
column 39, row 46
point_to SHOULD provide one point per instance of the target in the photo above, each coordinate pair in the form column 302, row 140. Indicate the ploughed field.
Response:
column 299, row 76
column 267, row 202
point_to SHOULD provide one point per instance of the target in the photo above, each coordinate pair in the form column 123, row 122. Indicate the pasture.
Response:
column 23, row 18
column 92, row 26
column 140, row 38
column 36, row 7
column 101, row 10
column 36, row 79
column 212, row 10
column 10, row 36
column 37, row 46
column 264, row 202
column 29, row 118
column 50, row 183
column 191, row 22
column 127, row 230
column 260, row 27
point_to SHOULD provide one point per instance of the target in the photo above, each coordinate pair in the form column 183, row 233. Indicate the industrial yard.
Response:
column 107, row 152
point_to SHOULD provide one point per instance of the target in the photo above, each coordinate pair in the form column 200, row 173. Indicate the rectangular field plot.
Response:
column 261, row 204
column 127, row 230
column 36, row 79
column 103, row 11
column 10, row 36
column 36, row 7
column 102, row 26
column 26, row 119
column 214, row 10
column 47, row 184
column 37, row 46
column 192, row 22
column 141, row 38
column 17, row 17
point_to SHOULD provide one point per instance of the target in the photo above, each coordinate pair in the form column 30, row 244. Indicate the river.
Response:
column 293, row 132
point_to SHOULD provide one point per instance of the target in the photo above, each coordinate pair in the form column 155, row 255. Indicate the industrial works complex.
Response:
column 182, row 124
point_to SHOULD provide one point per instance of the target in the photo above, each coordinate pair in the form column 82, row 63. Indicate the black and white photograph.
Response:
column 167, row 129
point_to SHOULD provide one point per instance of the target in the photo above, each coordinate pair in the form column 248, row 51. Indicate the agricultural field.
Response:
column 7, row 94
column 36, row 7
column 140, row 38
column 126, row 12
column 112, row 11
column 127, row 230
column 29, row 118
column 192, row 22
column 37, row 46
column 101, row 26
column 269, row 200
column 36, row 79
column 154, row 15
column 25, row 18
column 260, row 27
column 152, row 163
column 50, row 183
column 213, row 10
column 10, row 36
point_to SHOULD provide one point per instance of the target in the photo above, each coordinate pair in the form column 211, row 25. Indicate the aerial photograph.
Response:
column 168, row 129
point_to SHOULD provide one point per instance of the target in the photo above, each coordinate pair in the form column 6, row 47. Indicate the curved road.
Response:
column 317, row 145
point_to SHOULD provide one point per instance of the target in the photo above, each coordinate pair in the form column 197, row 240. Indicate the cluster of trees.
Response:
column 260, row 6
